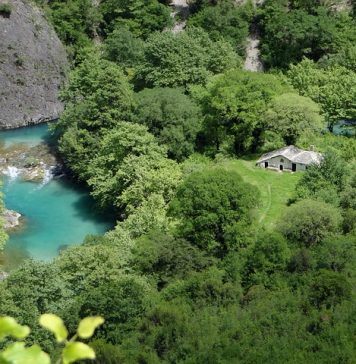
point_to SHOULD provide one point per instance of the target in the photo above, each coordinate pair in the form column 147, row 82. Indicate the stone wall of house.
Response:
column 287, row 164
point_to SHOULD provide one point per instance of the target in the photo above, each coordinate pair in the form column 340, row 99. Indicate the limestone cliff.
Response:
column 33, row 65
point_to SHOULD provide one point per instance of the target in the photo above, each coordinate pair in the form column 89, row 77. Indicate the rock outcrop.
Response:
column 30, row 163
column 11, row 219
column 33, row 65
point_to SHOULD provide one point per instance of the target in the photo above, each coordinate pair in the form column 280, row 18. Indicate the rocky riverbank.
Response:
column 31, row 163
column 11, row 219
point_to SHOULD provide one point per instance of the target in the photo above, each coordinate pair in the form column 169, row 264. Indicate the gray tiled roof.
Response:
column 294, row 154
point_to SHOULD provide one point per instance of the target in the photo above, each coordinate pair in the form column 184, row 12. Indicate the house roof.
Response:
column 294, row 154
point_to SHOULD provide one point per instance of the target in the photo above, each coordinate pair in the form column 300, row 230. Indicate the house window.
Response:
column 282, row 160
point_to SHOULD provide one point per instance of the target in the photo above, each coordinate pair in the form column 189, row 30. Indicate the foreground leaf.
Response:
column 9, row 327
column 54, row 324
column 77, row 351
column 88, row 325
column 17, row 353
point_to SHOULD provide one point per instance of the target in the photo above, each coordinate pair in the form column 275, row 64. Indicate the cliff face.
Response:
column 33, row 65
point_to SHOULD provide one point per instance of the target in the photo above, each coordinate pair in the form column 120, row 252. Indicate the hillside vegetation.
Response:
column 212, row 259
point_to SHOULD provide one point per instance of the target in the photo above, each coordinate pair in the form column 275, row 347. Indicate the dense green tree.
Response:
column 309, row 222
column 336, row 254
column 102, row 85
column 225, row 19
column 184, row 58
column 214, row 210
column 329, row 289
column 234, row 105
column 333, row 88
column 121, row 299
column 291, row 115
column 301, row 261
column 90, row 264
column 348, row 198
column 312, row 5
column 97, row 98
column 151, row 214
column 140, row 16
column 270, row 254
column 167, row 258
column 172, row 117
column 349, row 221
column 290, row 34
column 75, row 22
column 209, row 287
column 33, row 289
column 144, row 176
column 197, row 5
column 106, row 353
column 124, row 48
column 187, row 275
column 325, row 180
column 129, row 166
column 345, row 57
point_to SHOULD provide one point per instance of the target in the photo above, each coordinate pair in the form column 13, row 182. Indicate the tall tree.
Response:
column 333, row 88
column 213, row 207
column 309, row 222
column 172, row 117
column 184, row 58
column 234, row 105
column 227, row 20
column 142, row 17
column 129, row 166
column 98, row 98
column 291, row 115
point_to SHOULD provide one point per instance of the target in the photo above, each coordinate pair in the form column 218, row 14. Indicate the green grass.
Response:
column 275, row 188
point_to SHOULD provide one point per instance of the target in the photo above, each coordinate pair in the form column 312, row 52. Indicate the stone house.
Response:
column 289, row 158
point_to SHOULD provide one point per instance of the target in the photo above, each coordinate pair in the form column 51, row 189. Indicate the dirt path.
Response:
column 253, row 62
column 180, row 13
column 96, row 36
column 268, row 206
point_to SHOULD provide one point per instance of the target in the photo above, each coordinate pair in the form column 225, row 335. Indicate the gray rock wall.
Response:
column 33, row 65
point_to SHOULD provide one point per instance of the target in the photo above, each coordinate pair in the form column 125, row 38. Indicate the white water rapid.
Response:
column 12, row 172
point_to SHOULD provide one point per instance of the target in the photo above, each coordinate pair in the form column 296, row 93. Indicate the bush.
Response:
column 329, row 289
column 308, row 222
column 5, row 10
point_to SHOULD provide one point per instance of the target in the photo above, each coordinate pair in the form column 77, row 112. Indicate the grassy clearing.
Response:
column 275, row 187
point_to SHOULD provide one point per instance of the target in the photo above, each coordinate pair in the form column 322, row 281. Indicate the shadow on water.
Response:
column 50, row 135
column 88, row 209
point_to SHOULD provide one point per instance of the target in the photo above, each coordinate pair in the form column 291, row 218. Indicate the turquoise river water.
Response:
column 57, row 214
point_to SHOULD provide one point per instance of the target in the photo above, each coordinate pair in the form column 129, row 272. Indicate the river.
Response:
column 56, row 212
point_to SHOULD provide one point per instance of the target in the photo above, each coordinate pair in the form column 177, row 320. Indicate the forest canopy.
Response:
column 213, row 259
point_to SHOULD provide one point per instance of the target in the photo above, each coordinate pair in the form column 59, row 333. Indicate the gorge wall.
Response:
column 33, row 65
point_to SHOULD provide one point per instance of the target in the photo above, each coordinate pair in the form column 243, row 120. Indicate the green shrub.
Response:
column 5, row 10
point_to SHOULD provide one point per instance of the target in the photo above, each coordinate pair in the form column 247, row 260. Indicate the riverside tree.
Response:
column 98, row 97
